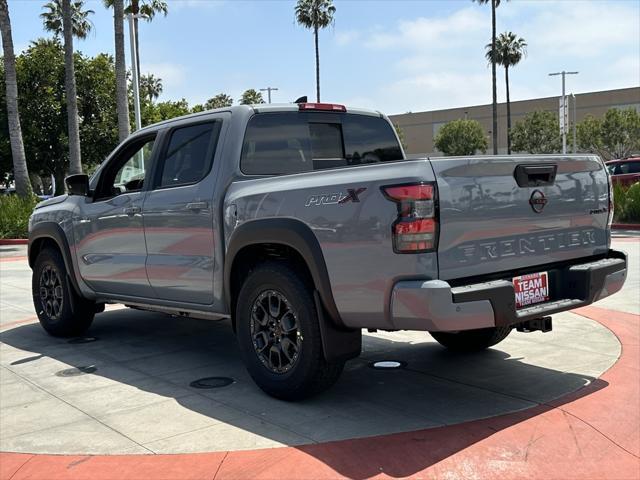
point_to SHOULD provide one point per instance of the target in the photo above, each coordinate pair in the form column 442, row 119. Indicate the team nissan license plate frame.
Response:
column 531, row 289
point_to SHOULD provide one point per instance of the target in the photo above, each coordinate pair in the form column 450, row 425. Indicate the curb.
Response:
column 626, row 226
column 14, row 241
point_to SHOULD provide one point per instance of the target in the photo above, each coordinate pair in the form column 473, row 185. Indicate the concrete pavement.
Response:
column 139, row 400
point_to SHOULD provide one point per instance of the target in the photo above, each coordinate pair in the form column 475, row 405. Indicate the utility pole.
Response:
column 269, row 90
column 575, row 121
column 563, row 104
column 134, row 70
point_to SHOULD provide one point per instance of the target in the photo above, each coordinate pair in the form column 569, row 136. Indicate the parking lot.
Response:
column 127, row 388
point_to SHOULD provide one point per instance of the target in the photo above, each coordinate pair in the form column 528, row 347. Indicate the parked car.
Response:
column 624, row 172
column 305, row 223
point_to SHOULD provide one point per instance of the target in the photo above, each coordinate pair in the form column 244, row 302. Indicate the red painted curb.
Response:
column 591, row 433
column 626, row 226
column 14, row 241
column 13, row 259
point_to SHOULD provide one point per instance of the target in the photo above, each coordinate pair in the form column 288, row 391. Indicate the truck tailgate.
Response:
column 504, row 214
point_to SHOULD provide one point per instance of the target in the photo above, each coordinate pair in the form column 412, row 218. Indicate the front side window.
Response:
column 126, row 172
column 294, row 142
column 189, row 154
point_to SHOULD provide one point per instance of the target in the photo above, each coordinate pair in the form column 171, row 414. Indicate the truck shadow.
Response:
column 161, row 355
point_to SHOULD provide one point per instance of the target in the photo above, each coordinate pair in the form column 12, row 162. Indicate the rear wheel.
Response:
column 471, row 340
column 62, row 312
column 279, row 334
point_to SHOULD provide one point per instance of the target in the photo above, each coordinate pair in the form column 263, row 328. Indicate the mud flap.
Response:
column 337, row 344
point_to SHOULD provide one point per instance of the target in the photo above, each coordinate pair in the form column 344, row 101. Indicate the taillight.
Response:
column 325, row 107
column 416, row 229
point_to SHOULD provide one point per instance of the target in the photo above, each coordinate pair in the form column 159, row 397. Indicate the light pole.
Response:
column 575, row 121
column 134, row 70
column 564, row 107
column 269, row 90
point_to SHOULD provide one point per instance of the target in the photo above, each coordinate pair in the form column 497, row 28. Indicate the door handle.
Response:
column 197, row 206
column 132, row 210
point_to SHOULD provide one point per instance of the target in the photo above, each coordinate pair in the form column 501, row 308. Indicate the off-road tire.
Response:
column 471, row 340
column 310, row 373
column 68, row 314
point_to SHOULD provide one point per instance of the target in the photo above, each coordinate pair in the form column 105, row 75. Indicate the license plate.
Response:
column 530, row 289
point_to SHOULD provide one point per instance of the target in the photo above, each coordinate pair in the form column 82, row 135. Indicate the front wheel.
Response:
column 62, row 313
column 279, row 334
column 471, row 340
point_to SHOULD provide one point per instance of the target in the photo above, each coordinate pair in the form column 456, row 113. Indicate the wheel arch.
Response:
column 279, row 235
column 51, row 234
column 292, row 239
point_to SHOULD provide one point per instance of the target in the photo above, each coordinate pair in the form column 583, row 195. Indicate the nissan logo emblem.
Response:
column 538, row 201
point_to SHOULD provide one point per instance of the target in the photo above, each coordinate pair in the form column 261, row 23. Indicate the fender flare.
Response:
column 54, row 232
column 294, row 234
column 338, row 341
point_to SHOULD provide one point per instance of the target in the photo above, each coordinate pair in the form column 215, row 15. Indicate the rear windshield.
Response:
column 293, row 142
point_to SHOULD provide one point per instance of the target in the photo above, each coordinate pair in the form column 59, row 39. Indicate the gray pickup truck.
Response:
column 305, row 223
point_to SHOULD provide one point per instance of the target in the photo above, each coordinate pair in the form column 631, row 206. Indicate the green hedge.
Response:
column 14, row 215
column 626, row 203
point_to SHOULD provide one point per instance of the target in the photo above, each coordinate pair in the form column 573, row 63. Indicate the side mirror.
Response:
column 78, row 184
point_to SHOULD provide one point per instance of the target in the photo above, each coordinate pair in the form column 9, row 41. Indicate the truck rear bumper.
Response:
column 435, row 305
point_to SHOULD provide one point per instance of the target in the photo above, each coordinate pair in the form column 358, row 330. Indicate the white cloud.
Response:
column 422, row 32
column 583, row 28
column 347, row 37
column 183, row 4
column 173, row 77
column 439, row 62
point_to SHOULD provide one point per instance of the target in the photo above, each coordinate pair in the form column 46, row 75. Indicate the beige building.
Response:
column 420, row 128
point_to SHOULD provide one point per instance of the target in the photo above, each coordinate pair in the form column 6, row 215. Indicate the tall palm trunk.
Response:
column 20, row 171
column 122, row 99
column 75, row 161
column 493, row 78
column 315, row 34
column 506, row 81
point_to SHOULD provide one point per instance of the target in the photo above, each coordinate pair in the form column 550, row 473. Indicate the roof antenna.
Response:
column 301, row 100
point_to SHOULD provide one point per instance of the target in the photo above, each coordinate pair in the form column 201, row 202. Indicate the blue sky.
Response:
column 393, row 55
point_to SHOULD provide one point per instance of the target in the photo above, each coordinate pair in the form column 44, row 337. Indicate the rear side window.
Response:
column 189, row 154
column 292, row 142
column 628, row 167
column 369, row 140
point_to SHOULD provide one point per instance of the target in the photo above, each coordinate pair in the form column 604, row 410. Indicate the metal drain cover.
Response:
column 76, row 371
column 212, row 382
column 387, row 365
column 74, row 341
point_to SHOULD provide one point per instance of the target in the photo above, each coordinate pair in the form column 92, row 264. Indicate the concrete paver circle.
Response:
column 139, row 399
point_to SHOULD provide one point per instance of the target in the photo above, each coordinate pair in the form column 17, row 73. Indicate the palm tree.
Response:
column 251, row 97
column 494, row 4
column 69, row 19
column 145, row 9
column 52, row 18
column 75, row 159
column 122, row 97
column 219, row 101
column 20, row 171
column 315, row 14
column 509, row 50
column 150, row 87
